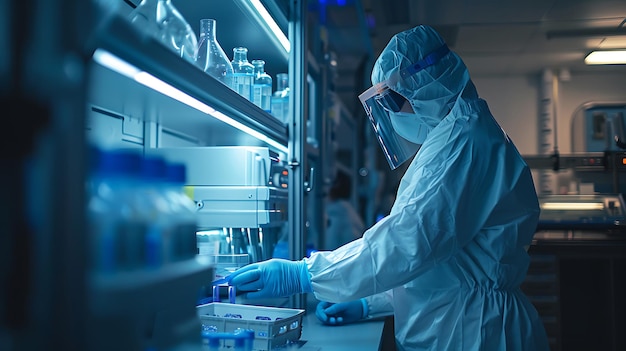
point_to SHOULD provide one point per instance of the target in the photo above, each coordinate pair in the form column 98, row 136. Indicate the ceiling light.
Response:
column 608, row 57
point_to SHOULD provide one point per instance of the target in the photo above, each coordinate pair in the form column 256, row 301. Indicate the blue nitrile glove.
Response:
column 341, row 313
column 272, row 278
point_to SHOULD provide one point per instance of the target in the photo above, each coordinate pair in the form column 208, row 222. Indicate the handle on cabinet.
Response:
column 309, row 184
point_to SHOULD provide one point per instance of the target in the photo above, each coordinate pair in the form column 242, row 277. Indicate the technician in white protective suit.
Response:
column 449, row 259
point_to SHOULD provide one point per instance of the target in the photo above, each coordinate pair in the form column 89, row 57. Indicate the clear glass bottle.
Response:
column 162, row 20
column 211, row 58
column 262, row 88
column 243, row 76
column 280, row 99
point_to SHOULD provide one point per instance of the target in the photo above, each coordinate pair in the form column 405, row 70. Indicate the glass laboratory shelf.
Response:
column 123, row 90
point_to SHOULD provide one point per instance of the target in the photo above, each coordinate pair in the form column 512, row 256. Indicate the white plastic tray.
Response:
column 272, row 326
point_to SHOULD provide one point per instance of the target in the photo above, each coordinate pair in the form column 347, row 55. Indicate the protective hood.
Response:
column 432, row 91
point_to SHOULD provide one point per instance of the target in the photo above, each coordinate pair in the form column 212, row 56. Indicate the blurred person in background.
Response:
column 344, row 223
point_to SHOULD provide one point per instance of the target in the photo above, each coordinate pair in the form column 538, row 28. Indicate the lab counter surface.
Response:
column 362, row 336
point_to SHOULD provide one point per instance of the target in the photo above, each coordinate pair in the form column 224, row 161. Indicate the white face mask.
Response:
column 412, row 127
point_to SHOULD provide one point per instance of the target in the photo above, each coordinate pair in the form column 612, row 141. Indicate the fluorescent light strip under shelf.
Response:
column 111, row 61
column 269, row 20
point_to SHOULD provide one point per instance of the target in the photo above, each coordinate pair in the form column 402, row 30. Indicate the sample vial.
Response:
column 216, row 293
column 232, row 294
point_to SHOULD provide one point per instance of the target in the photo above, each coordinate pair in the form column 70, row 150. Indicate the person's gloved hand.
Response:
column 272, row 278
column 341, row 313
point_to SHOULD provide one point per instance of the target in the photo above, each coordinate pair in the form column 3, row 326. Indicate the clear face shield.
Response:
column 375, row 101
column 380, row 101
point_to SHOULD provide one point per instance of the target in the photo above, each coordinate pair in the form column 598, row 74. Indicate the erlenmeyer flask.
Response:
column 162, row 20
column 211, row 58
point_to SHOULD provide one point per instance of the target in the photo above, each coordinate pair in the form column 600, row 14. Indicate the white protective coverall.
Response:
column 449, row 259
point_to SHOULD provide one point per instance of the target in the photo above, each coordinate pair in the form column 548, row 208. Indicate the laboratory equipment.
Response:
column 243, row 76
column 280, row 99
column 241, row 202
column 211, row 58
column 598, row 144
column 583, row 173
column 262, row 88
column 273, row 326
column 598, row 127
column 596, row 212
column 242, row 187
column 160, row 19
